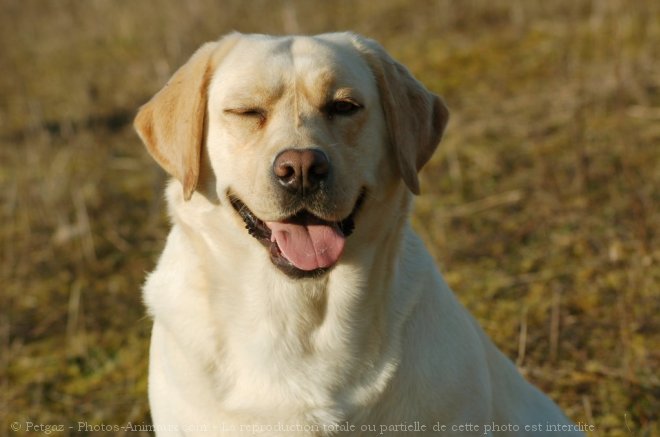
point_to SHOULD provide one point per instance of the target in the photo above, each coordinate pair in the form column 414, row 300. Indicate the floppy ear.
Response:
column 171, row 124
column 415, row 117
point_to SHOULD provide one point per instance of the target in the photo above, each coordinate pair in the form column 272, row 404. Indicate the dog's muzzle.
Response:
column 303, row 244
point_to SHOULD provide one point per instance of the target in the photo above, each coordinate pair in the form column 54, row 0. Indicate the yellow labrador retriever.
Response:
column 292, row 297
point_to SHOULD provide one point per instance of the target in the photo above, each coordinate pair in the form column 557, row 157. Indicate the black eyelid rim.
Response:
column 247, row 112
column 356, row 106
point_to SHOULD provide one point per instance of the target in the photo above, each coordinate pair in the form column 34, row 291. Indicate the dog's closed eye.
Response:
column 247, row 112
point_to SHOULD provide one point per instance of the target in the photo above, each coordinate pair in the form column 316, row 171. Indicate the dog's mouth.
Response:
column 302, row 245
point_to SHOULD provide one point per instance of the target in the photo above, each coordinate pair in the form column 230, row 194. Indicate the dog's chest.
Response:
column 271, row 365
column 241, row 349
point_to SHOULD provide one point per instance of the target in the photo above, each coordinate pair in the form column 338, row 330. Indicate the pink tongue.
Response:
column 308, row 246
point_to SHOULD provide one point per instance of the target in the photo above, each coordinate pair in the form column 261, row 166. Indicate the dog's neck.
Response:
column 261, row 316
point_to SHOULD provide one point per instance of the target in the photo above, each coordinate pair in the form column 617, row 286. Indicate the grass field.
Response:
column 542, row 205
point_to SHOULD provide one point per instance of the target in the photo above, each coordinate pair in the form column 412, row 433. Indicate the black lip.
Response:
column 258, row 229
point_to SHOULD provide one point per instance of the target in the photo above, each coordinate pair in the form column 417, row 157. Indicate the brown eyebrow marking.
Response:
column 348, row 93
column 255, row 96
column 324, row 81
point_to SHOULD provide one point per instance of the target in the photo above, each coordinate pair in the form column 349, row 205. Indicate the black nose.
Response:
column 301, row 171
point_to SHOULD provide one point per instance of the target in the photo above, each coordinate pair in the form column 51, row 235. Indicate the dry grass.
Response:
column 542, row 205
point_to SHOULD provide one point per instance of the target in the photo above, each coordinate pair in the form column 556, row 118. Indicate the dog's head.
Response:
column 295, row 134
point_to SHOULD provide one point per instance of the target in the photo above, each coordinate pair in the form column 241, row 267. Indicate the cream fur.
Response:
column 380, row 339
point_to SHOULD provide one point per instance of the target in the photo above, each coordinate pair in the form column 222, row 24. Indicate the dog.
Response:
column 292, row 296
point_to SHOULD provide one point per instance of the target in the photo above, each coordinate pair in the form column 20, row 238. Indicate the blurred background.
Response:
column 542, row 205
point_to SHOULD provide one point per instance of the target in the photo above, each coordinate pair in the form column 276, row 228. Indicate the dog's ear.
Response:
column 416, row 118
column 171, row 124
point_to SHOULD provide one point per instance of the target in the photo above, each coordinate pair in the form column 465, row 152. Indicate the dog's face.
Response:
column 298, row 133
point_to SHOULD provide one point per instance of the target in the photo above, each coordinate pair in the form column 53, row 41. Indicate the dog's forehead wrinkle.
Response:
column 257, row 68
column 254, row 91
column 323, row 69
column 310, row 70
